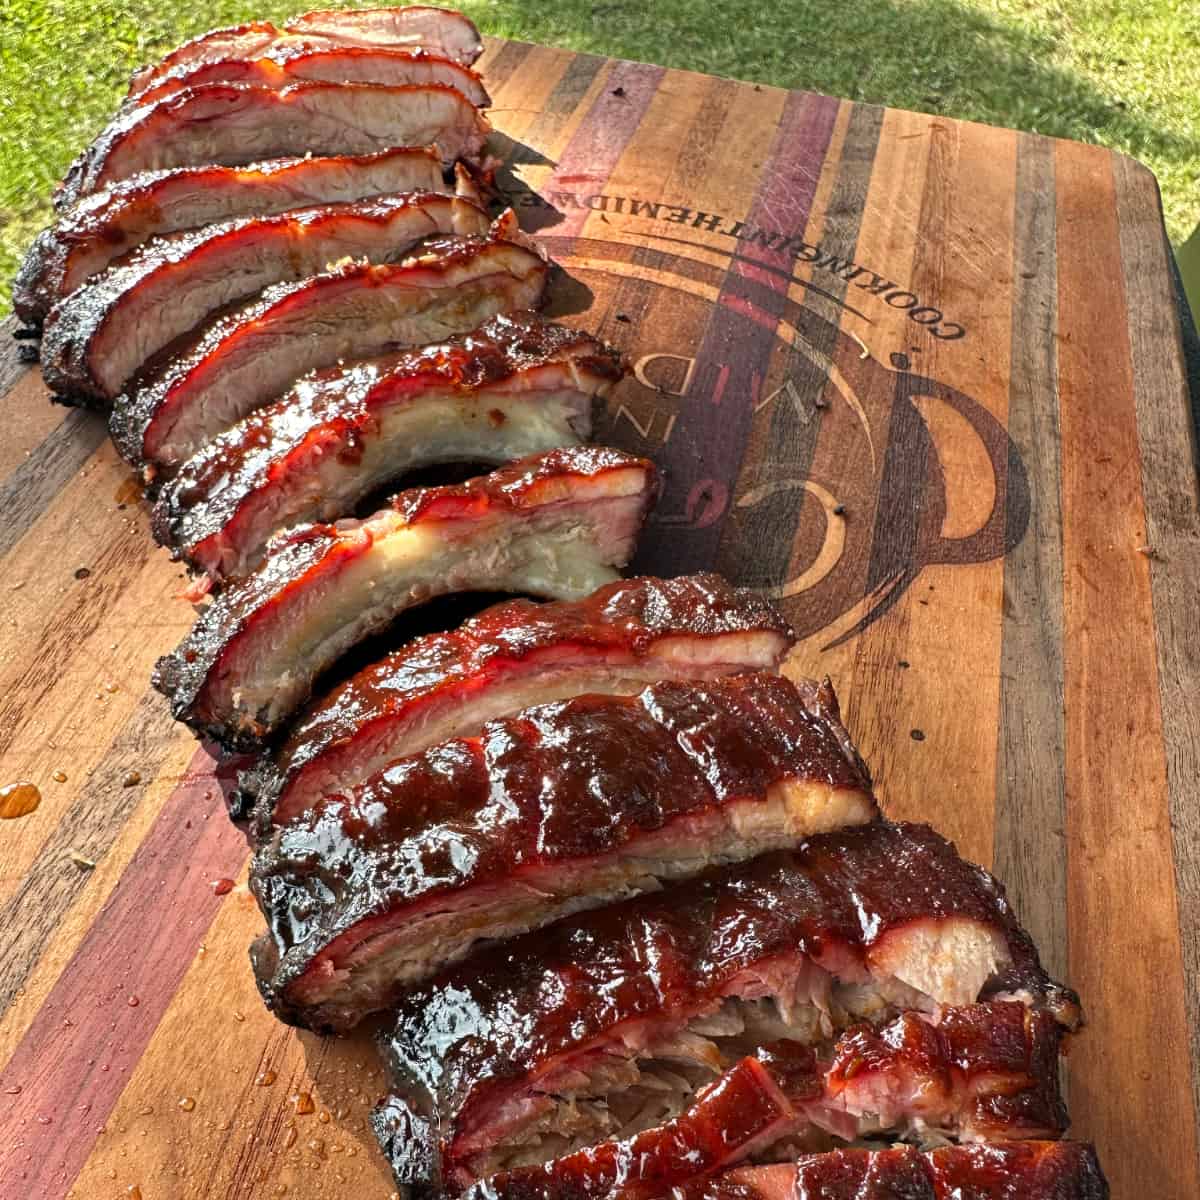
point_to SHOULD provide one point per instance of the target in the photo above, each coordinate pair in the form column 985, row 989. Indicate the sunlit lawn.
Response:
column 1122, row 72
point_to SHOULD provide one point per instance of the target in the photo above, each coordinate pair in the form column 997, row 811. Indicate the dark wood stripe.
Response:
column 12, row 368
column 86, row 606
column 1169, row 484
column 704, row 454
column 1030, row 840
column 565, row 98
column 86, row 1040
column 27, row 492
column 497, row 69
column 33, row 913
column 638, row 303
column 757, row 544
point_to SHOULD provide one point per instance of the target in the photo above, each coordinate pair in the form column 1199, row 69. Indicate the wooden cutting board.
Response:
column 920, row 379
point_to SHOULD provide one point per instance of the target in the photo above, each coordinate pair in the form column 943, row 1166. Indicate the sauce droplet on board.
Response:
column 18, row 800
column 222, row 887
column 130, row 490
column 187, row 1104
column 302, row 1102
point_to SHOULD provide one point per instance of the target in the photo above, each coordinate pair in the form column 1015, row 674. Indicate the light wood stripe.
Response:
column 63, row 656
column 1125, row 955
column 39, row 420
column 865, row 669
column 34, row 909
column 116, row 986
column 967, row 211
column 522, row 98
column 500, row 62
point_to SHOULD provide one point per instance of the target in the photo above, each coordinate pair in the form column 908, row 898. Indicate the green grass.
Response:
column 1125, row 73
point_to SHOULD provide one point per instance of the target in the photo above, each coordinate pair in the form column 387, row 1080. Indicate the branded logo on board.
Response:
column 827, row 261
column 794, row 460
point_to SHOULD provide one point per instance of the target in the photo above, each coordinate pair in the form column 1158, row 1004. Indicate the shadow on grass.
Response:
column 930, row 55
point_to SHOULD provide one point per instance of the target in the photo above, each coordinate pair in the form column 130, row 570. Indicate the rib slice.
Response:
column 554, row 1042
column 617, row 640
column 552, row 525
column 438, row 30
column 235, row 124
column 728, row 1120
column 971, row 1073
column 988, row 1171
column 515, row 386
column 563, row 807
column 98, row 338
column 283, row 65
column 109, row 224
column 441, row 29
column 986, row 1070
column 250, row 356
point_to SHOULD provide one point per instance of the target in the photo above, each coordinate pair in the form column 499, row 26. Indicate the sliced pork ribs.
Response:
column 554, row 525
column 238, row 123
column 515, row 386
column 565, row 806
column 876, row 952
column 617, row 640
column 103, row 335
column 251, row 356
column 984, row 1070
column 115, row 221
column 282, row 65
column 435, row 30
column 985, row 1171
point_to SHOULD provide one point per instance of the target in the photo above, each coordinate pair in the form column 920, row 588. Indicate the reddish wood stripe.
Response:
column 757, row 543
column 30, row 917
column 61, row 1083
column 591, row 154
column 706, row 450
